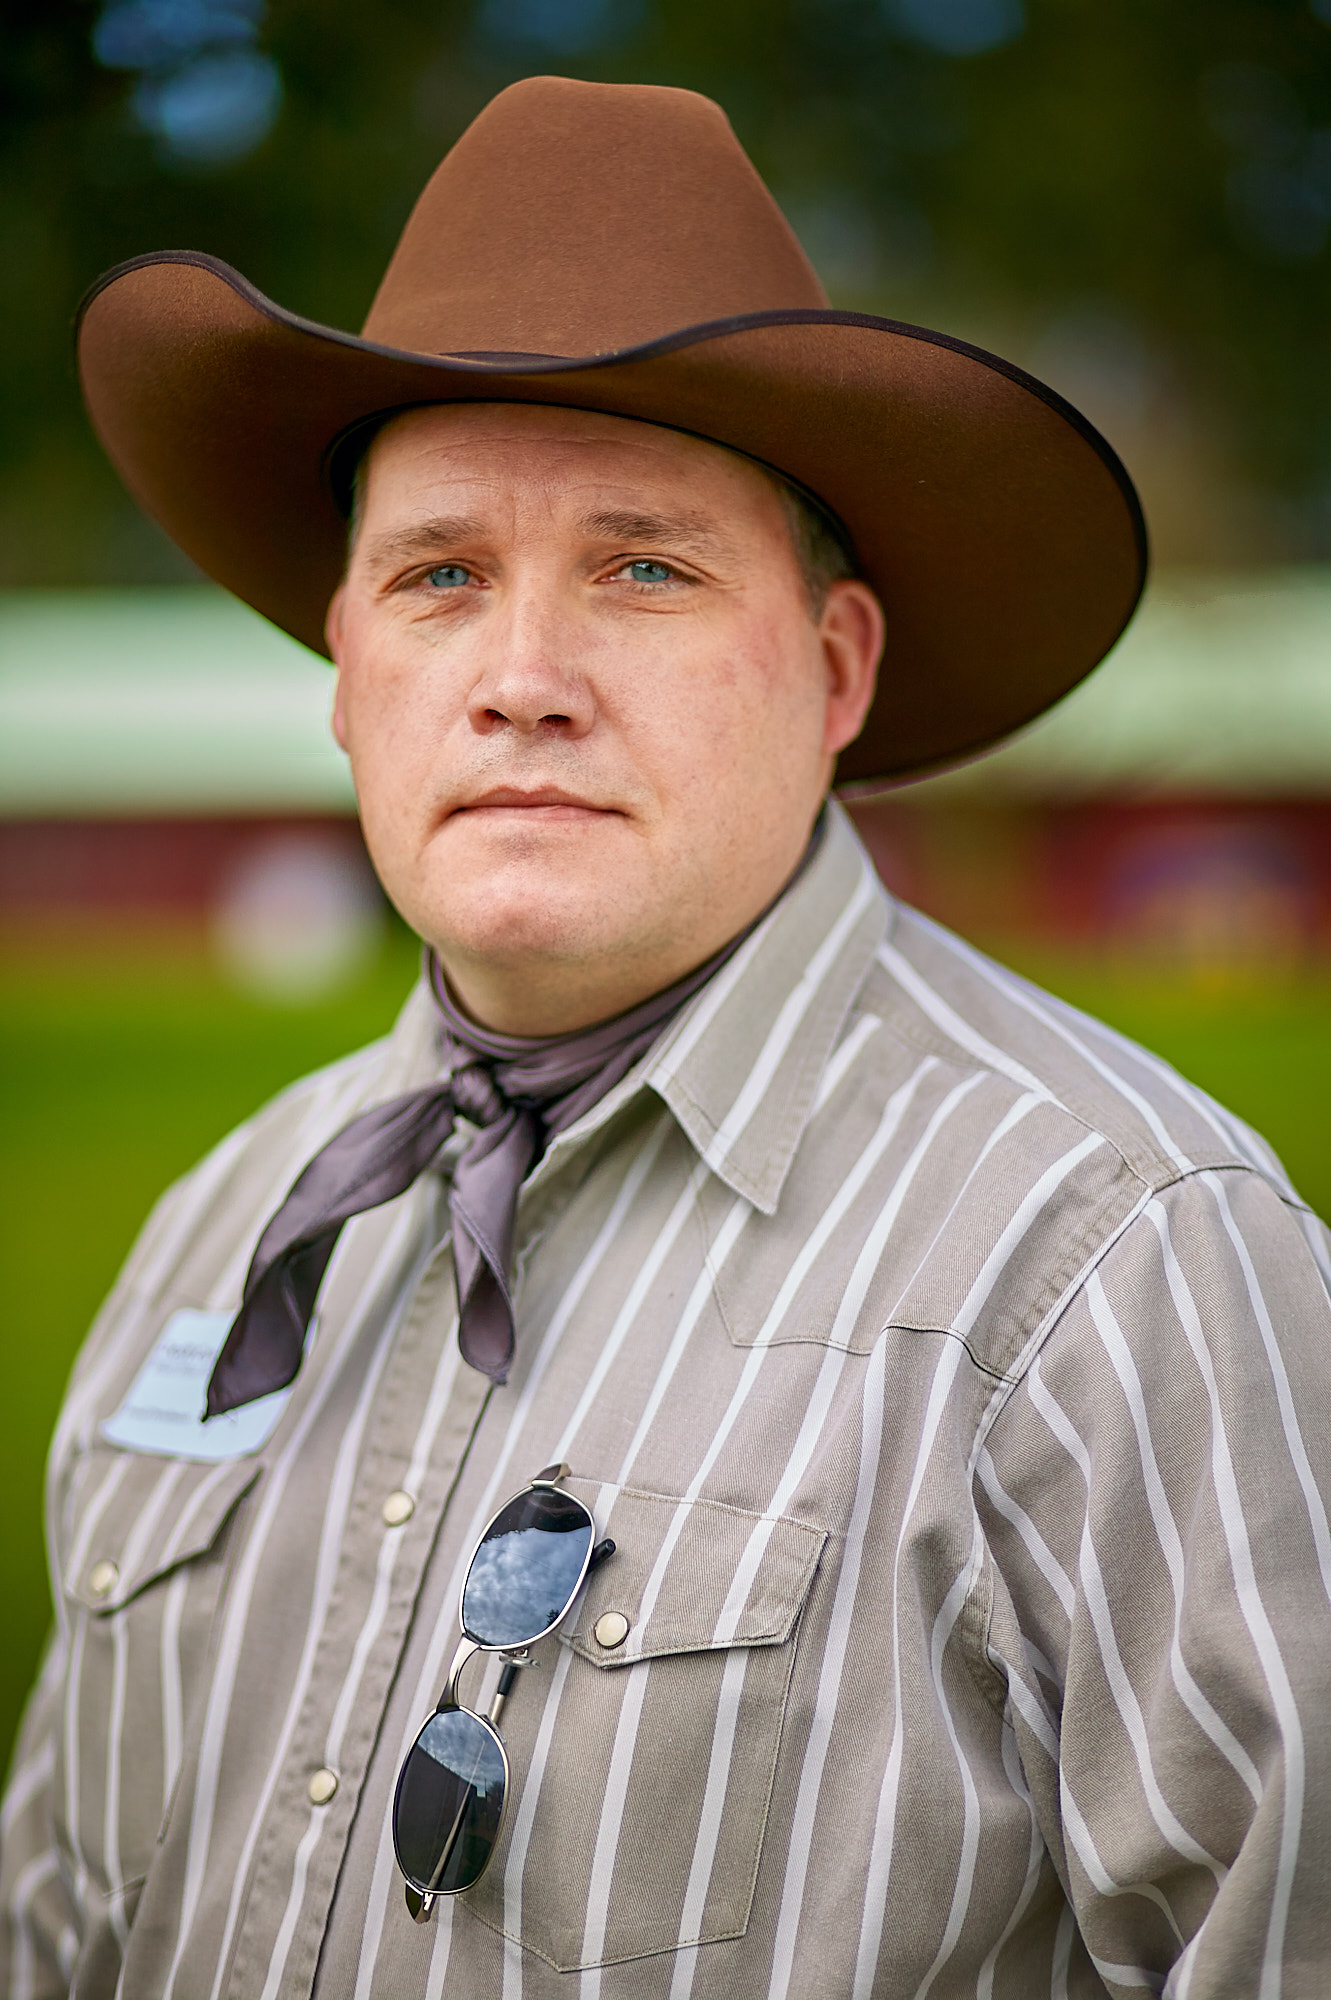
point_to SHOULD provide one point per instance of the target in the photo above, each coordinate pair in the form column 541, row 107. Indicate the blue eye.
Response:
column 449, row 576
column 643, row 570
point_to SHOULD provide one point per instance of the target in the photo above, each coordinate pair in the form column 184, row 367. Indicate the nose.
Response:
column 532, row 675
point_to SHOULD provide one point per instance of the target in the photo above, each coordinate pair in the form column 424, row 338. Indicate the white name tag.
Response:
column 163, row 1411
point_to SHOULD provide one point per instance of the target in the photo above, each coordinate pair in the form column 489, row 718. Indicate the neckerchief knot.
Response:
column 476, row 1095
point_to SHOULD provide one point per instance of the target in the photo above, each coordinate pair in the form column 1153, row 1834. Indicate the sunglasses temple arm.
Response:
column 449, row 1845
column 428, row 1899
column 501, row 1694
column 421, row 1905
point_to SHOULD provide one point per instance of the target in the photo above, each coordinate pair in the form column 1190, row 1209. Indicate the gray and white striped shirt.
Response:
column 956, row 1385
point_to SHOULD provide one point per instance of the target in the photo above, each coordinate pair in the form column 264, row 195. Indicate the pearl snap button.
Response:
column 610, row 1630
column 397, row 1508
column 103, row 1578
column 322, row 1786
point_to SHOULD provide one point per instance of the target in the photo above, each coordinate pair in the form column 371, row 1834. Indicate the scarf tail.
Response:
column 264, row 1349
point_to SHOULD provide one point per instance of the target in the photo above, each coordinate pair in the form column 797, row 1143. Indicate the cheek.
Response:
column 764, row 693
column 728, row 738
column 391, row 712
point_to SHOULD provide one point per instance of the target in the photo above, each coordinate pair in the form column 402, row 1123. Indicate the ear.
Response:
column 851, row 631
column 333, row 639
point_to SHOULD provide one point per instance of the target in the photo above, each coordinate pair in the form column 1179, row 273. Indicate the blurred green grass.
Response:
column 121, row 1068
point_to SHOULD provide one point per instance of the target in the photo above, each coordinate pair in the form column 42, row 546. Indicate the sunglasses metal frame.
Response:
column 421, row 1902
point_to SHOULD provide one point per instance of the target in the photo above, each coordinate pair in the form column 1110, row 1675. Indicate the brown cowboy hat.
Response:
column 610, row 247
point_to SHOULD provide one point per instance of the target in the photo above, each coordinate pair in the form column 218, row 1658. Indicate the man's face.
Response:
column 589, row 711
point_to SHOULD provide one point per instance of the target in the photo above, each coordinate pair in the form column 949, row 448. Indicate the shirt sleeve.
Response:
column 38, row 1935
column 43, row 1921
column 1154, row 1496
column 55, row 1926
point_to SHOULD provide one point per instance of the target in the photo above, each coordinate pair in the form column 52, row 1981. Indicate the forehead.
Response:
column 505, row 447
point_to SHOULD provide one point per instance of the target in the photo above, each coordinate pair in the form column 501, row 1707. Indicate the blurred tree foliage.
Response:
column 1133, row 198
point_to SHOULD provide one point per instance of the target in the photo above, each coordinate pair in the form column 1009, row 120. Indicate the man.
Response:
column 950, row 1379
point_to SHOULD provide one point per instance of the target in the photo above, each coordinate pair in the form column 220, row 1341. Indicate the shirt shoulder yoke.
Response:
column 941, row 994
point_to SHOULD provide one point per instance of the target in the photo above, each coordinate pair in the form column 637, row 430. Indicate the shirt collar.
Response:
column 740, row 1066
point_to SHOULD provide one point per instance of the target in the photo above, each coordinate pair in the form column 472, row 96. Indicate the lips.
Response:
column 543, row 799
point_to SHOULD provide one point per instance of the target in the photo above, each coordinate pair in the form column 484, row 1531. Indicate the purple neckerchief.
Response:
column 518, row 1091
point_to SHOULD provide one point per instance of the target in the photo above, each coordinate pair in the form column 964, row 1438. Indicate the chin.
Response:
column 542, row 918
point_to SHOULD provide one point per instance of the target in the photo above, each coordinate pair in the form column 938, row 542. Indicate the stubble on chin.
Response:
column 524, row 913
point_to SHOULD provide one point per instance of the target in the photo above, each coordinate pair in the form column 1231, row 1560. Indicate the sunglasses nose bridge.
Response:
column 467, row 1650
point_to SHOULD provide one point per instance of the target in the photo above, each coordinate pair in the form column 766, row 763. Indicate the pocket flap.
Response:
column 689, row 1576
column 134, row 1517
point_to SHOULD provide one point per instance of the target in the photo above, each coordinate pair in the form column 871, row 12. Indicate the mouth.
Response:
column 542, row 804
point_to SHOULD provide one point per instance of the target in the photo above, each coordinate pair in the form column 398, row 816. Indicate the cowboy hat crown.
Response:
column 573, row 220
column 610, row 247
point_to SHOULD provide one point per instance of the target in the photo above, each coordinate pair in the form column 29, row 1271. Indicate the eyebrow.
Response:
column 685, row 530
column 421, row 538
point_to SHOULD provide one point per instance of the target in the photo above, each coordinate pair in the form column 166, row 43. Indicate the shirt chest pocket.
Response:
column 644, row 1746
column 142, row 1557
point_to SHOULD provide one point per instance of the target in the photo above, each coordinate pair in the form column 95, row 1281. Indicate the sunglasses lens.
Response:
column 449, row 1804
column 523, row 1576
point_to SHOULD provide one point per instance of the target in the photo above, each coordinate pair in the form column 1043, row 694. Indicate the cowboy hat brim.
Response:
column 1000, row 530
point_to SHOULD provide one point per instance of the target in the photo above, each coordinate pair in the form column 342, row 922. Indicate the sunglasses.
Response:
column 521, row 1582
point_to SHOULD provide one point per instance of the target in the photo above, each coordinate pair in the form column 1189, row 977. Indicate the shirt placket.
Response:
column 393, row 1521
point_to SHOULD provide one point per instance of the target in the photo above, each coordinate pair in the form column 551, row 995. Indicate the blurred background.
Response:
column 1131, row 199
